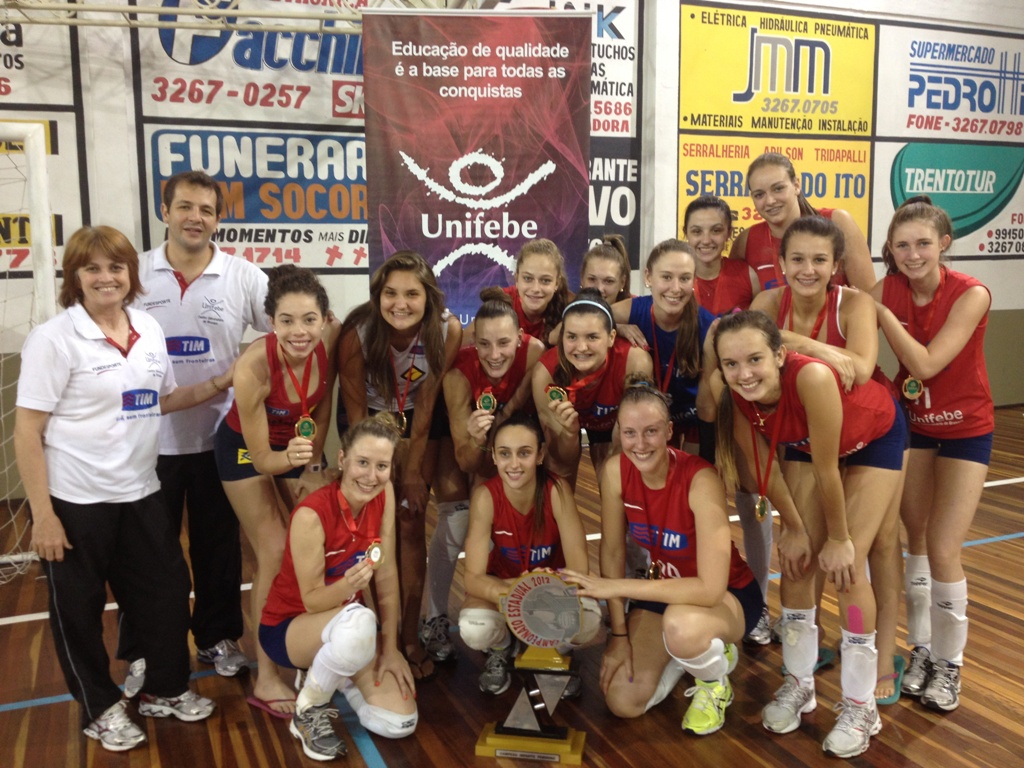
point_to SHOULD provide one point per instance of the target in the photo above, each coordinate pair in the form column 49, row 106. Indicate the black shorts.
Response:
column 233, row 462
column 272, row 638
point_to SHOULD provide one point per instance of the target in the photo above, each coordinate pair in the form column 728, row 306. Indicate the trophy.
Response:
column 543, row 612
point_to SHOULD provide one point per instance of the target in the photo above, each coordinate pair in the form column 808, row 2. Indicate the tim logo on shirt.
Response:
column 139, row 399
column 187, row 346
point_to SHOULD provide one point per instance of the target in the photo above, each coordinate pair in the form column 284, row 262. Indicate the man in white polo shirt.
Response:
column 204, row 300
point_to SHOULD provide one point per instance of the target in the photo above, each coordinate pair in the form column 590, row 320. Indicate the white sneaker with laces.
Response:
column 791, row 700
column 943, row 691
column 852, row 733
column 435, row 634
column 114, row 730
column 762, row 633
column 135, row 679
column 190, row 706
column 227, row 658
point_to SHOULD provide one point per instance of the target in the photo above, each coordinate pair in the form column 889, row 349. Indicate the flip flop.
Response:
column 416, row 667
column 826, row 656
column 265, row 706
column 899, row 665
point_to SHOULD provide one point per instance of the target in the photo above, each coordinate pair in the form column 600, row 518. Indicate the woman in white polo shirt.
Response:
column 94, row 381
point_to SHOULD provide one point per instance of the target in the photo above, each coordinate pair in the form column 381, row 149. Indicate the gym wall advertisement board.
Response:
column 870, row 113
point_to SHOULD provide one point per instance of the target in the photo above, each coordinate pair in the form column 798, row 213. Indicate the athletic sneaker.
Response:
column 852, row 733
column 776, row 631
column 573, row 688
column 496, row 677
column 436, row 637
column 135, row 679
column 114, row 730
column 190, row 706
column 943, row 691
column 732, row 655
column 227, row 658
column 706, row 713
column 762, row 633
column 791, row 700
column 918, row 673
column 313, row 728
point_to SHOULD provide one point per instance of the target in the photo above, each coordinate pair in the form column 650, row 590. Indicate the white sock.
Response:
column 710, row 665
column 949, row 619
column 917, row 583
column 800, row 644
column 757, row 538
column 445, row 546
column 859, row 668
column 669, row 679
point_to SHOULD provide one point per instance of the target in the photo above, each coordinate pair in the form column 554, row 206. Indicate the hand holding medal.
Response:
column 561, row 405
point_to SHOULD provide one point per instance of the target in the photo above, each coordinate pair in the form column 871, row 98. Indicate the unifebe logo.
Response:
column 972, row 182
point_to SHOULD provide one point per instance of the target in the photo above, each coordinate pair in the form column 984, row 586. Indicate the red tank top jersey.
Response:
column 516, row 547
column 833, row 328
column 342, row 550
column 532, row 327
column 763, row 254
column 868, row 411
column 957, row 402
column 282, row 413
column 467, row 362
column 730, row 290
column 598, row 403
column 662, row 522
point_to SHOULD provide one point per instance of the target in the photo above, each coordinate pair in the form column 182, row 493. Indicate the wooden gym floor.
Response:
column 39, row 721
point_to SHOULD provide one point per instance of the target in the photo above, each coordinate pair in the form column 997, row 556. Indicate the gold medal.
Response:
column 913, row 388
column 401, row 421
column 305, row 427
column 556, row 393
column 654, row 572
column 761, row 508
column 375, row 554
column 487, row 401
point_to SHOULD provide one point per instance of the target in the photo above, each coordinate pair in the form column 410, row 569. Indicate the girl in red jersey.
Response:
column 488, row 382
column 540, row 292
column 395, row 350
column 519, row 521
column 580, row 382
column 270, row 444
column 776, row 193
column 795, row 401
column 839, row 326
column 606, row 267
column 935, row 319
column 340, row 540
column 699, row 597
column 722, row 284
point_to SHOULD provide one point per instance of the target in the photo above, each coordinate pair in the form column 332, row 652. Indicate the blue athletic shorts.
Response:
column 885, row 452
column 977, row 449
column 233, row 462
column 750, row 599
column 272, row 638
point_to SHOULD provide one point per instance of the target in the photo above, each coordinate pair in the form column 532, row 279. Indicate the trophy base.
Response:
column 568, row 750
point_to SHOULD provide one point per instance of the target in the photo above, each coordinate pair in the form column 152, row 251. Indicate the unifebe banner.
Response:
column 784, row 75
column 477, row 141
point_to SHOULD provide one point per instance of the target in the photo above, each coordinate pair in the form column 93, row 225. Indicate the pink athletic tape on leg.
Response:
column 855, row 620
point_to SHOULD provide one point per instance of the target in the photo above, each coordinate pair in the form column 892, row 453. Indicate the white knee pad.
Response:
column 383, row 722
column 482, row 629
column 591, row 622
column 917, row 584
column 859, row 669
column 800, row 645
column 350, row 640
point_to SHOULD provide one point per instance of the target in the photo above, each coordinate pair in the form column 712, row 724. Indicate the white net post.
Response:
column 26, row 302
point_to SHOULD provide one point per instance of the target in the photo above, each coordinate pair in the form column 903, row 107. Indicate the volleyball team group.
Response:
column 752, row 376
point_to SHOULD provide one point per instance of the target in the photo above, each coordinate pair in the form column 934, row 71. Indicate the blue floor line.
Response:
column 360, row 736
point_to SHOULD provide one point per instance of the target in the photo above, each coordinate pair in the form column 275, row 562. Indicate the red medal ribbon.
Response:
column 663, row 384
column 586, row 381
column 301, row 390
column 817, row 323
column 762, row 482
column 931, row 309
column 656, row 533
column 408, row 379
column 350, row 519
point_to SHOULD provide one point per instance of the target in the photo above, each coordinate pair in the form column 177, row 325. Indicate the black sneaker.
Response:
column 496, row 678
